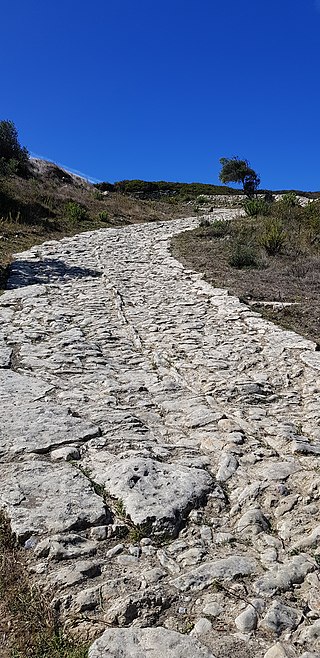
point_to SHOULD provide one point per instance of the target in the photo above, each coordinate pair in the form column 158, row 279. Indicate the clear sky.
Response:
column 161, row 90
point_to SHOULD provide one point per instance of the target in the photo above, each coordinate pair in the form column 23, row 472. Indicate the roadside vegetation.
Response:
column 269, row 258
column 29, row 627
column 48, row 203
column 160, row 189
column 40, row 201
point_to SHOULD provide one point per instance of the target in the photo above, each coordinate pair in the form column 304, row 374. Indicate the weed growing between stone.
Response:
column 29, row 627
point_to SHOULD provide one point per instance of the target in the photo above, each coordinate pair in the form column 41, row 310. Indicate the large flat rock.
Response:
column 154, row 491
column 42, row 498
column 143, row 642
column 234, row 566
column 40, row 427
column 16, row 388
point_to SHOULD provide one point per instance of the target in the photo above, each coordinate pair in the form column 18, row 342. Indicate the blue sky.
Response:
column 162, row 90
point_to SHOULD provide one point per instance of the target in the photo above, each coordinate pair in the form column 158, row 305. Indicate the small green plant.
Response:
column 103, row 216
column 97, row 195
column 220, row 228
column 98, row 489
column 255, row 207
column 48, row 201
column 243, row 255
column 204, row 223
column 187, row 627
column 120, row 508
column 138, row 532
column 74, row 212
column 273, row 237
column 289, row 200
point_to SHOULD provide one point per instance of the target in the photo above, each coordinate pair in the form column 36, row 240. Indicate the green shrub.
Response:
column 204, row 223
column 103, row 216
column 255, row 207
column 243, row 255
column 98, row 195
column 219, row 228
column 273, row 237
column 309, row 216
column 156, row 189
column 289, row 200
column 74, row 212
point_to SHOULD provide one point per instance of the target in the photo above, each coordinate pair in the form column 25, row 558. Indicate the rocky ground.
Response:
column 159, row 451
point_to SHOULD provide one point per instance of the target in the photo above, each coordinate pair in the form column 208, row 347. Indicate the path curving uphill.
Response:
column 160, row 452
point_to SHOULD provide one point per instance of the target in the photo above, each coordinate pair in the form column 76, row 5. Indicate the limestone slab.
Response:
column 43, row 498
column 155, row 491
column 40, row 427
column 141, row 642
column 224, row 569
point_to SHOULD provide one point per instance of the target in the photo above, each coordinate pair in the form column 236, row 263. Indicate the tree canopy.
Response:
column 13, row 157
column 234, row 170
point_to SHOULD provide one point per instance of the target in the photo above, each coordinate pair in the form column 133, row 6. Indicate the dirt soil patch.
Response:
column 284, row 278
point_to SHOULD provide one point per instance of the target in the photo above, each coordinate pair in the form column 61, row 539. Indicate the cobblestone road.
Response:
column 159, row 451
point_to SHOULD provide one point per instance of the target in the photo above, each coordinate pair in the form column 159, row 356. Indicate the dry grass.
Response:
column 29, row 627
column 290, row 275
column 33, row 210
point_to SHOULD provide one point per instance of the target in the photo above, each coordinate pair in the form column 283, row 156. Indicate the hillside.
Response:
column 270, row 259
column 51, row 203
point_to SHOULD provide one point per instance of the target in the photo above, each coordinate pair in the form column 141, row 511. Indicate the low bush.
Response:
column 273, row 237
column 157, row 189
column 201, row 200
column 204, row 223
column 74, row 212
column 220, row 228
column 289, row 200
column 243, row 255
column 255, row 207
column 103, row 216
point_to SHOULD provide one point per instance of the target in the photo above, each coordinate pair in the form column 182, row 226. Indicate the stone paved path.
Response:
column 159, row 449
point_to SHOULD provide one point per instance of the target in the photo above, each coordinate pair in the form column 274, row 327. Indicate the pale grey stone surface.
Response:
column 40, row 427
column 225, row 569
column 283, row 576
column 40, row 498
column 278, row 650
column 280, row 617
column 153, row 491
column 247, row 620
column 141, row 642
column 5, row 356
column 186, row 417
column 17, row 389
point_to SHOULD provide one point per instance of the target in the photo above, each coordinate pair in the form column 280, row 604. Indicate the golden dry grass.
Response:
column 29, row 626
